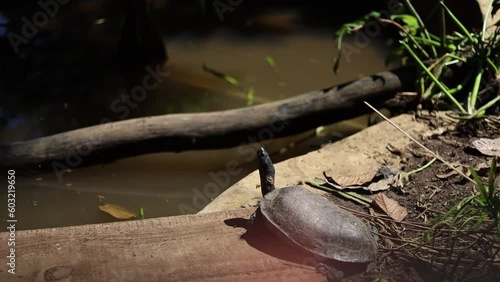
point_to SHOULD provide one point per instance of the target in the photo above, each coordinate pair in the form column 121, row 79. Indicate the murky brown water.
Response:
column 163, row 183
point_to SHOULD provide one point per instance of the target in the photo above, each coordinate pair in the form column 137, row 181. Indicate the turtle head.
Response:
column 266, row 171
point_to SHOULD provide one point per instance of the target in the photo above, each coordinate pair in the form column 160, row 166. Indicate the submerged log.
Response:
column 214, row 247
column 194, row 131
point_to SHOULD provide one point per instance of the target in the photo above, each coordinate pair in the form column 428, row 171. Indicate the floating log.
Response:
column 210, row 130
column 214, row 247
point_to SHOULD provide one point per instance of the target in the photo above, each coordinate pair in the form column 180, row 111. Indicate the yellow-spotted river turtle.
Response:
column 313, row 222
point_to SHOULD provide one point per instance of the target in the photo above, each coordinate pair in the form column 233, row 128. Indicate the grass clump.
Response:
column 473, row 210
column 476, row 54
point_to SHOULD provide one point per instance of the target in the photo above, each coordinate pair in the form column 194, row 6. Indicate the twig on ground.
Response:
column 420, row 144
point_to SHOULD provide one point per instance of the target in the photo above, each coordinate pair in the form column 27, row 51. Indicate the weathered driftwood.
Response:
column 181, row 132
column 204, row 247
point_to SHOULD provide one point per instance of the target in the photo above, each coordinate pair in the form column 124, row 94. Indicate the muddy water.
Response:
column 175, row 183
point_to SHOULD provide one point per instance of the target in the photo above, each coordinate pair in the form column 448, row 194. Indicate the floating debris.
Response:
column 117, row 211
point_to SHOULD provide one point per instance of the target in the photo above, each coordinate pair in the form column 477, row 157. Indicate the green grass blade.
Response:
column 486, row 106
column 480, row 220
column 229, row 79
column 272, row 63
column 421, row 23
column 491, row 178
column 458, row 23
column 467, row 221
column 479, row 183
column 142, row 212
column 475, row 90
column 428, row 164
column 485, row 20
column 336, row 61
column 433, row 78
column 348, row 195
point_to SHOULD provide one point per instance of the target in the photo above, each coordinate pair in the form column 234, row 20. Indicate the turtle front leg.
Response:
column 252, row 218
column 331, row 273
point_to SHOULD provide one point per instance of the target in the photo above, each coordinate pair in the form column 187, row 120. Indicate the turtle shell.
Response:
column 318, row 225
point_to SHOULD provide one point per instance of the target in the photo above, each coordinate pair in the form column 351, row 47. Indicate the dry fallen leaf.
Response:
column 351, row 180
column 368, row 181
column 452, row 172
column 488, row 147
column 117, row 211
column 382, row 184
column 437, row 131
column 390, row 207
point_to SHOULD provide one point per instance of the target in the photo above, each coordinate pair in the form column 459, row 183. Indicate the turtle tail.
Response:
column 266, row 172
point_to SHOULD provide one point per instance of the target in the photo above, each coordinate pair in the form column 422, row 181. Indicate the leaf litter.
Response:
column 405, row 218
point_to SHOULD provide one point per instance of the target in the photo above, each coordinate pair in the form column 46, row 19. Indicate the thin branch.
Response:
column 420, row 144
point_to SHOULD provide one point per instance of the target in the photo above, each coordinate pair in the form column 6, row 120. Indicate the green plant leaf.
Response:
column 409, row 21
column 394, row 55
column 479, row 183
column 374, row 15
column 353, row 196
column 141, row 212
column 250, row 97
column 472, row 39
column 336, row 63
